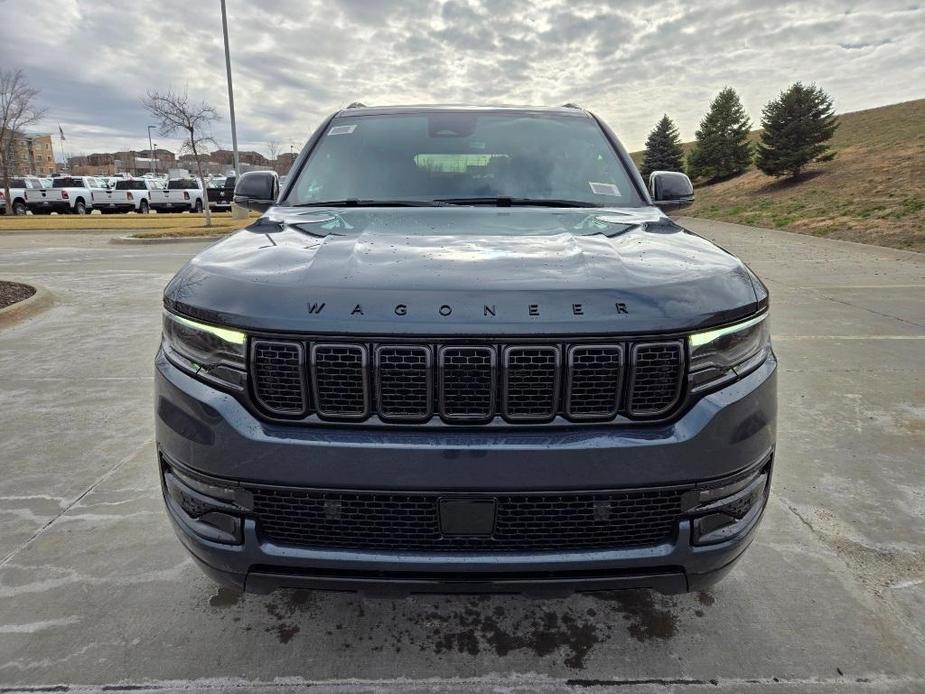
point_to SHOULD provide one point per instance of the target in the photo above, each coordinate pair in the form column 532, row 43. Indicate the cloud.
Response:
column 294, row 62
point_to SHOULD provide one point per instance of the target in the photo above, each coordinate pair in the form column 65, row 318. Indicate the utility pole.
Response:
column 234, row 132
column 151, row 148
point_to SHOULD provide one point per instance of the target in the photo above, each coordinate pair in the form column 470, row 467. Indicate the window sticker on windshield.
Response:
column 342, row 129
column 604, row 189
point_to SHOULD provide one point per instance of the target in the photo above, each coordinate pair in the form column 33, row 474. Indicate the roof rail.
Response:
column 571, row 105
column 356, row 104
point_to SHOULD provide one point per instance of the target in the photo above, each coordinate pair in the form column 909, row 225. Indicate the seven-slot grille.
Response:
column 468, row 383
column 403, row 521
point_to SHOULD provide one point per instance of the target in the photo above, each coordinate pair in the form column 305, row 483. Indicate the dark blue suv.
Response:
column 465, row 349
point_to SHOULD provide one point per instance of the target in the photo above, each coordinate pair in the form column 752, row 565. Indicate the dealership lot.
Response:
column 95, row 589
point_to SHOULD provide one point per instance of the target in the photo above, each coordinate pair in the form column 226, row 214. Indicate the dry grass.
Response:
column 872, row 192
column 222, row 223
column 192, row 232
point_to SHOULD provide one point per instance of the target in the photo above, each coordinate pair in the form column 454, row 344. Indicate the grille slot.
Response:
column 278, row 376
column 340, row 380
column 404, row 383
column 531, row 383
column 655, row 383
column 467, row 383
column 595, row 380
column 547, row 521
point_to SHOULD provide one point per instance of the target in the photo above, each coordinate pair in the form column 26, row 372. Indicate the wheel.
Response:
column 143, row 207
column 19, row 207
column 198, row 207
column 79, row 207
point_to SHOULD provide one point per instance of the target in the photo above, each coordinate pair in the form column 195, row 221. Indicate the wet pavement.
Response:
column 96, row 591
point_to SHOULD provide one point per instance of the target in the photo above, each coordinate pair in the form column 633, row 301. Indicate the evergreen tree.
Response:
column 663, row 149
column 722, row 148
column 798, row 125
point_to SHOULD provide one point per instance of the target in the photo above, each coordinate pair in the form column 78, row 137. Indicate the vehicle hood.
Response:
column 464, row 270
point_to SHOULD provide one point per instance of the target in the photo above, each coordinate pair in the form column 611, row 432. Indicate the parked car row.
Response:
column 83, row 194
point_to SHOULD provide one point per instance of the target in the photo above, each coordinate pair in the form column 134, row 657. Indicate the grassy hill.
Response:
column 872, row 192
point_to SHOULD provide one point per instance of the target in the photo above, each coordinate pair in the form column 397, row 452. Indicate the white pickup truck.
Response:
column 129, row 195
column 18, row 188
column 181, row 194
column 67, row 195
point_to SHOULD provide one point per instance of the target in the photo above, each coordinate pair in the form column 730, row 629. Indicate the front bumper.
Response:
column 209, row 434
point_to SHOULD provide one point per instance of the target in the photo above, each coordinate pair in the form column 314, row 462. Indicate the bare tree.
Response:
column 175, row 112
column 273, row 151
column 17, row 112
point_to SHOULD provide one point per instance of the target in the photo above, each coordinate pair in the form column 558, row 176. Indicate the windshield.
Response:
column 455, row 156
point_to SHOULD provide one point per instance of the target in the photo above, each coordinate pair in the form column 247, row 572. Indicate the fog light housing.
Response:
column 215, row 519
column 720, row 513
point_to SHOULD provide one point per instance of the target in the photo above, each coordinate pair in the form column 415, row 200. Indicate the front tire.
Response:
column 79, row 207
column 143, row 207
column 19, row 208
column 198, row 208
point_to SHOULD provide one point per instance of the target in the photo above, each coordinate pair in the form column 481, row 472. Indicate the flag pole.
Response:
column 61, row 142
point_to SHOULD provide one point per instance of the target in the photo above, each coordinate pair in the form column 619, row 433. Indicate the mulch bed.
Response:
column 11, row 292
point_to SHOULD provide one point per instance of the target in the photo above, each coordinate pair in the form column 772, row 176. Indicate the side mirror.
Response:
column 257, row 190
column 670, row 190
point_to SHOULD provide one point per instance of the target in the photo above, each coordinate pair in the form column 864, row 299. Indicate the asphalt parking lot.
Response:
column 95, row 590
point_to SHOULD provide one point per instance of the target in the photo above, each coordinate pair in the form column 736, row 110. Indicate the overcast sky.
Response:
column 295, row 61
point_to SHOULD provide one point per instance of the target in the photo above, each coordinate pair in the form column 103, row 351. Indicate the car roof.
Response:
column 361, row 110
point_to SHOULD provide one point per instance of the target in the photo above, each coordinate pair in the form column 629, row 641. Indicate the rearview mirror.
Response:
column 257, row 190
column 670, row 190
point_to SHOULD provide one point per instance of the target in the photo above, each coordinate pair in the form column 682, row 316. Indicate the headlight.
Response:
column 207, row 351
column 725, row 354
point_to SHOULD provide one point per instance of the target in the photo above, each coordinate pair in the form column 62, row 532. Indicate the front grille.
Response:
column 468, row 383
column 402, row 521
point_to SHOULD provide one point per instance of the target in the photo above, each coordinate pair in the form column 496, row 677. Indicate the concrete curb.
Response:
column 21, row 310
column 130, row 240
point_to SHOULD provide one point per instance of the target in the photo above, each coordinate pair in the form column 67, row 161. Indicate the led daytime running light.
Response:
column 705, row 338
column 233, row 337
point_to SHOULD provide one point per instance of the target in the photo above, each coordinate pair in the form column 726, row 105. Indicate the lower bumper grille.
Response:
column 523, row 522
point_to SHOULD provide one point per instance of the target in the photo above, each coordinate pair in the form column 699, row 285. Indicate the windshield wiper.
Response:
column 356, row 202
column 516, row 202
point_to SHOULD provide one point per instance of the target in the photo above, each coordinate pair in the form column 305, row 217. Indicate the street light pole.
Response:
column 234, row 132
column 151, row 148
